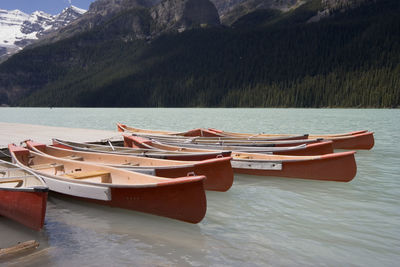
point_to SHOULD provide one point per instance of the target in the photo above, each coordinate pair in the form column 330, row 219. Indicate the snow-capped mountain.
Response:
column 18, row 29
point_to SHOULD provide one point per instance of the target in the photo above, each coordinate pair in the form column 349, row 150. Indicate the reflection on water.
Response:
column 259, row 221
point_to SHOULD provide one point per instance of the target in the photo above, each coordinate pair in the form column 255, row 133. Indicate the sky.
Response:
column 49, row 6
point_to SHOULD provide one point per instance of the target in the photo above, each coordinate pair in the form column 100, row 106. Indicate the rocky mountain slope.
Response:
column 235, row 12
column 18, row 29
column 232, row 10
column 140, row 19
column 165, row 54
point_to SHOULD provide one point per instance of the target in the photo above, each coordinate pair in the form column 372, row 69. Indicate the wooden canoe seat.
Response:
column 47, row 166
column 18, row 181
column 104, row 175
column 74, row 158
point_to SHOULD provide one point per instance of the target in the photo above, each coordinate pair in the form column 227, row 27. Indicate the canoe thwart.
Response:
column 47, row 166
column 10, row 181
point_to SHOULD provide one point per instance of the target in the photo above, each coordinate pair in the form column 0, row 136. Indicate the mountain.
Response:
column 140, row 19
column 181, row 15
column 231, row 10
column 18, row 29
column 317, row 54
column 249, row 6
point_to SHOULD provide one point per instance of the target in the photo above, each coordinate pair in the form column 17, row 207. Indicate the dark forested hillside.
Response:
column 266, row 59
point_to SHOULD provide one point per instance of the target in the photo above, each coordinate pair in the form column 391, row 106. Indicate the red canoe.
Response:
column 352, row 140
column 151, row 153
column 339, row 167
column 179, row 198
column 218, row 171
column 200, row 132
column 357, row 141
column 23, row 196
column 315, row 149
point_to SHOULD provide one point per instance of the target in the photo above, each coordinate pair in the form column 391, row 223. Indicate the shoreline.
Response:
column 17, row 132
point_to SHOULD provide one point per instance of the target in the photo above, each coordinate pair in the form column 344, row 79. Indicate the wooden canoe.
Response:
column 200, row 132
column 218, row 171
column 23, row 196
column 339, row 167
column 320, row 148
column 224, row 141
column 180, row 198
column 151, row 153
column 352, row 140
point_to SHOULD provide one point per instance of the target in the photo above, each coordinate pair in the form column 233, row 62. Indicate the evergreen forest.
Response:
column 265, row 59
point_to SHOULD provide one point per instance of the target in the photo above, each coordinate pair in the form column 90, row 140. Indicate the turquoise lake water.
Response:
column 259, row 221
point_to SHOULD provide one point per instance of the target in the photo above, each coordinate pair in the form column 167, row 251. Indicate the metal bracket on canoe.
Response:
column 256, row 165
column 112, row 147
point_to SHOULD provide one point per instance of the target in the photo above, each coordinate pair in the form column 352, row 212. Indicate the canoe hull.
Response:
column 219, row 173
column 340, row 167
column 358, row 141
column 316, row 149
column 27, row 208
column 184, row 202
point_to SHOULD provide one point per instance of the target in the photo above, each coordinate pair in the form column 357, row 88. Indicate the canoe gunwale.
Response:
column 25, row 189
column 157, row 153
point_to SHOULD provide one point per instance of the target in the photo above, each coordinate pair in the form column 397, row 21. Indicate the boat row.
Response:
column 160, row 173
column 352, row 140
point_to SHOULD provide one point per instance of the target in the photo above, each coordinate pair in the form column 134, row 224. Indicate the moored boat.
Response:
column 23, row 196
column 218, row 171
column 339, row 167
column 313, row 149
column 179, row 198
column 351, row 140
column 151, row 153
column 228, row 141
column 200, row 132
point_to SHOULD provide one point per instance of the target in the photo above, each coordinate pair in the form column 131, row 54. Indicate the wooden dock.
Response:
column 16, row 132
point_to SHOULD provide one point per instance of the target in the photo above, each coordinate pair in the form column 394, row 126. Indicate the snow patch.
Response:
column 18, row 29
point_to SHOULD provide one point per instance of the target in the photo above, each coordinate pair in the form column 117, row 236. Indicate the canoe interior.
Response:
column 104, row 158
column 119, row 149
column 14, row 177
column 68, row 169
column 235, row 155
